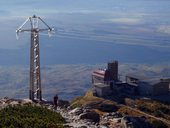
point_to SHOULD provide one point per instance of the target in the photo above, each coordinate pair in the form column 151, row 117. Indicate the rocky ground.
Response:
column 83, row 117
column 86, row 118
column 90, row 117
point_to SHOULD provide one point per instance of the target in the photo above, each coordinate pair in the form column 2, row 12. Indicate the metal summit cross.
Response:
column 35, row 92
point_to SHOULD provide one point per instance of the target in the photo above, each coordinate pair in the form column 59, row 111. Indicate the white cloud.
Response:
column 129, row 21
column 164, row 29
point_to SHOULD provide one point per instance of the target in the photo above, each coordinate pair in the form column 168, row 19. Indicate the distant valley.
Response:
column 68, row 81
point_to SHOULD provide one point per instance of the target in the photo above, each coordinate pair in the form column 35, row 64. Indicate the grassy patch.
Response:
column 126, row 111
column 155, row 123
column 154, row 108
column 94, row 102
column 85, row 100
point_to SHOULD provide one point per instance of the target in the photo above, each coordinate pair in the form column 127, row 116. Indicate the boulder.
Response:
column 135, row 122
column 67, row 126
column 13, row 103
column 76, row 111
column 107, row 108
column 83, row 126
column 103, row 126
column 26, row 101
column 63, row 103
column 86, row 110
column 93, row 116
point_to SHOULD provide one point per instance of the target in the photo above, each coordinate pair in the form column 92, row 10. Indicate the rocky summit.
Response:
column 83, row 117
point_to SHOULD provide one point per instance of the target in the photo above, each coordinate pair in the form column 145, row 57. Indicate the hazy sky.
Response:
column 79, row 23
column 121, row 16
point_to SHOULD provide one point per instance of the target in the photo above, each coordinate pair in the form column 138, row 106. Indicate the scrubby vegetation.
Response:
column 158, row 124
column 87, row 99
column 154, row 108
column 147, row 107
column 28, row 116
column 151, row 107
column 124, row 110
column 136, row 108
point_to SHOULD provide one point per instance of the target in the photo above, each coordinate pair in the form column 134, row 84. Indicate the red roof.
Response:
column 99, row 73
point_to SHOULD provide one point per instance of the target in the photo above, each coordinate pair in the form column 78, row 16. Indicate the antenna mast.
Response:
column 35, row 91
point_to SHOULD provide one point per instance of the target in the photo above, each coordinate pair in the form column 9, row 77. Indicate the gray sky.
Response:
column 143, row 21
column 121, row 16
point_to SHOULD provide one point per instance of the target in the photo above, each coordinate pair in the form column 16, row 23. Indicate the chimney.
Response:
column 113, row 70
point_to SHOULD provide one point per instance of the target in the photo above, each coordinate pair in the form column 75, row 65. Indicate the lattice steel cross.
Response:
column 35, row 92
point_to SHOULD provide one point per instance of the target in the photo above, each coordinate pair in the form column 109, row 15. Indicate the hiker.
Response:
column 55, row 101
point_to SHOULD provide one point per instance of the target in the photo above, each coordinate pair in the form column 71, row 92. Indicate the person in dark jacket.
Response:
column 55, row 101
